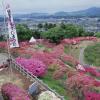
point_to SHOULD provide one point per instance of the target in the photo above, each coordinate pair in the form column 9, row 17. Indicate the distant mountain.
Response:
column 91, row 12
column 30, row 15
column 61, row 14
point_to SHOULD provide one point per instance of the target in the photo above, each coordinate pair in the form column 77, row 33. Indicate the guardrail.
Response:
column 33, row 78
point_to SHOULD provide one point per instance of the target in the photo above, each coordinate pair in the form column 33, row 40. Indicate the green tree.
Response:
column 54, row 34
column 24, row 33
column 97, row 34
column 49, row 26
column 73, row 31
column 40, row 25
column 46, row 26
column 2, row 38
column 58, row 33
column 36, row 34
column 63, row 25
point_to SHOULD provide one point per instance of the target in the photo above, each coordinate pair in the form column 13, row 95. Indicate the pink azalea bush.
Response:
column 80, row 83
column 70, row 59
column 49, row 57
column 34, row 66
column 43, row 56
column 3, row 45
column 57, row 51
column 92, row 71
column 80, row 78
column 23, row 44
column 78, row 40
column 92, row 96
column 12, row 92
column 59, row 73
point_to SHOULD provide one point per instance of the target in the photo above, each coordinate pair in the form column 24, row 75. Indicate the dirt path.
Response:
column 81, row 54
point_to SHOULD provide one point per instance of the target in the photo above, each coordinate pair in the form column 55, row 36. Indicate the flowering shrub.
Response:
column 57, row 51
column 92, row 96
column 79, row 83
column 92, row 71
column 70, row 41
column 12, row 92
column 34, row 66
column 88, row 69
column 23, row 44
column 81, row 78
column 59, row 73
column 70, row 59
column 44, row 57
column 3, row 45
column 78, row 39
column 47, row 58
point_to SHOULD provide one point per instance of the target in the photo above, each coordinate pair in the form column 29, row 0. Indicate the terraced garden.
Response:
column 60, row 68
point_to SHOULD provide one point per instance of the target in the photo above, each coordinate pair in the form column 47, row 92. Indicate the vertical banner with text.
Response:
column 13, row 40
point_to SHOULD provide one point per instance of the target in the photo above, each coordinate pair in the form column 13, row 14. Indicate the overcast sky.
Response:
column 51, row 6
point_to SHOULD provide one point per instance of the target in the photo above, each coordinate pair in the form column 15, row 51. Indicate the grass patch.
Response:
column 42, row 47
column 92, row 54
column 72, row 50
column 56, row 85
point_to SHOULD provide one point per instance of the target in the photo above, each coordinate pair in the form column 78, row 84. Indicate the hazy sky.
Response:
column 50, row 6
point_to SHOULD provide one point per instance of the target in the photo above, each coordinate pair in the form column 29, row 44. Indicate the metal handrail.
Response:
column 33, row 77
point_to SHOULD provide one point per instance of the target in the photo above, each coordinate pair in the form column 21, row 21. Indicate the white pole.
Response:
column 5, row 29
column 7, row 36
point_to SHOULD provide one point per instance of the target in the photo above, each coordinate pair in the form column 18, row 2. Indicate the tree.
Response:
column 97, row 34
column 40, row 25
column 49, row 26
column 24, row 33
column 54, row 34
column 58, row 33
column 73, row 31
column 63, row 25
column 36, row 34
column 46, row 26
column 2, row 38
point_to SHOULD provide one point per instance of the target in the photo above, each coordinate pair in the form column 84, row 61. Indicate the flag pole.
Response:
column 5, row 29
column 7, row 37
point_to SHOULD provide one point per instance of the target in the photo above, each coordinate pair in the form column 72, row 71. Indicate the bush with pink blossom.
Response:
column 3, row 45
column 92, row 95
column 92, row 71
column 13, row 92
column 78, row 40
column 80, row 83
column 32, row 65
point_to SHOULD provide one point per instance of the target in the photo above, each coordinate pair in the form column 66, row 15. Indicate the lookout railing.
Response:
column 33, row 78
